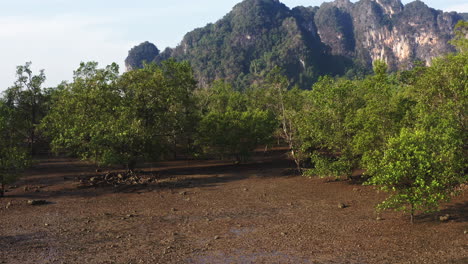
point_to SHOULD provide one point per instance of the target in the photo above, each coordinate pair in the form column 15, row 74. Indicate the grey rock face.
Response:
column 387, row 30
column 145, row 52
column 307, row 42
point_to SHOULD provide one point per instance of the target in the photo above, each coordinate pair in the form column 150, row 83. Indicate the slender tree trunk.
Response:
column 95, row 159
column 131, row 165
column 33, row 123
column 412, row 213
column 33, row 139
column 2, row 187
column 175, row 147
column 288, row 133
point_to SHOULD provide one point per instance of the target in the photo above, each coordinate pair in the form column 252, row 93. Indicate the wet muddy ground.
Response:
column 216, row 212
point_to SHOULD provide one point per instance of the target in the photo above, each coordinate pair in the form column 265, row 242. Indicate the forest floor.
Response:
column 216, row 212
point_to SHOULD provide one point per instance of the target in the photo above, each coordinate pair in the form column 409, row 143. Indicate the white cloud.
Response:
column 58, row 44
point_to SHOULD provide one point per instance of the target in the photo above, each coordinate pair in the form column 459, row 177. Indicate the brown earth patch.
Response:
column 216, row 212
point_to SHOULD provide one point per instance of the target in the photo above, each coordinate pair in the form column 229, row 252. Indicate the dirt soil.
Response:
column 215, row 212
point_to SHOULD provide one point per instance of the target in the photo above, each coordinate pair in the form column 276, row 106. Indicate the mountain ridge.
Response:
column 336, row 38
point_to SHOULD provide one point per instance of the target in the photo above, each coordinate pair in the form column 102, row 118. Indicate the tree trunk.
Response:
column 175, row 147
column 131, row 165
column 2, row 189
column 33, row 123
column 412, row 213
column 296, row 160
column 33, row 136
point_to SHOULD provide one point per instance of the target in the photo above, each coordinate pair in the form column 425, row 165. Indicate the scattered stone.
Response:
column 116, row 179
column 183, row 193
column 130, row 215
column 444, row 218
column 8, row 205
column 465, row 232
column 342, row 205
column 283, row 233
column 173, row 210
column 289, row 204
column 37, row 202
column 46, row 224
column 245, row 189
column 216, row 237
column 379, row 218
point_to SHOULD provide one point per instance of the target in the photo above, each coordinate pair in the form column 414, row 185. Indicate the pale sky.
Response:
column 56, row 35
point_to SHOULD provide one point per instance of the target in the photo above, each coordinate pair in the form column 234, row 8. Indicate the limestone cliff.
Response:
column 336, row 38
column 385, row 29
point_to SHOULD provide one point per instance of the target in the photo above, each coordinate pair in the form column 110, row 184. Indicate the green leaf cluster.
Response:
column 229, row 127
column 407, row 131
column 13, row 154
column 116, row 119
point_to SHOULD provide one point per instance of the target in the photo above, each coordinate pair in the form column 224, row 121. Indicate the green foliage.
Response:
column 229, row 127
column 415, row 167
column 119, row 120
column 408, row 131
column 460, row 41
column 235, row 133
column 22, row 106
column 80, row 119
column 424, row 163
column 27, row 102
column 383, row 113
column 13, row 154
column 325, row 131
column 273, row 95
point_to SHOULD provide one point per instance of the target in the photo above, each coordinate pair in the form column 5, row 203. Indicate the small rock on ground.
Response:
column 444, row 218
column 37, row 202
column 342, row 205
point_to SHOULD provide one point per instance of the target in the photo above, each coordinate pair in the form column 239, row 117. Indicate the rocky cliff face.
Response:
column 307, row 42
column 387, row 30
column 145, row 52
column 253, row 38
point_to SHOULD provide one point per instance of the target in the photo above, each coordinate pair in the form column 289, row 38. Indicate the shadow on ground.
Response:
column 181, row 177
column 458, row 212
